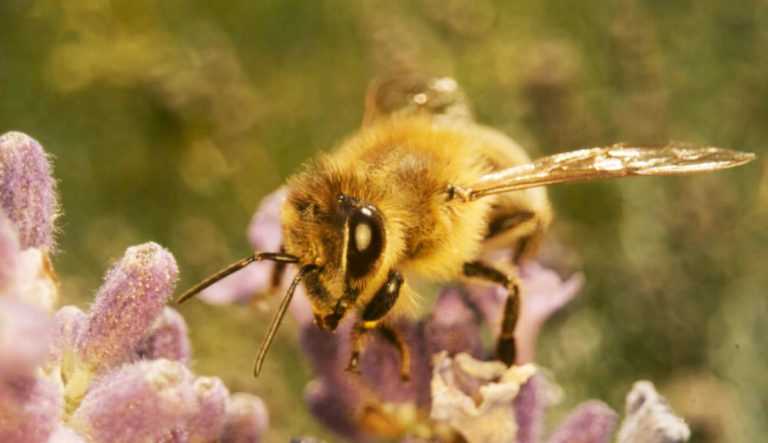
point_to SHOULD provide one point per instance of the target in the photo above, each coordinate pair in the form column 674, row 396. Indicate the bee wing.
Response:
column 605, row 162
column 412, row 93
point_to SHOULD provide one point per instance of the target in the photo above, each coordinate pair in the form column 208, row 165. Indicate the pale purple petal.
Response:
column 142, row 401
column 29, row 409
column 544, row 292
column 246, row 420
column 64, row 434
column 530, row 407
column 335, row 403
column 476, row 398
column 209, row 420
column 264, row 235
column 27, row 189
column 453, row 325
column 131, row 298
column 9, row 253
column 241, row 286
column 69, row 323
column 649, row 418
column 168, row 338
column 265, row 230
column 590, row 422
column 26, row 333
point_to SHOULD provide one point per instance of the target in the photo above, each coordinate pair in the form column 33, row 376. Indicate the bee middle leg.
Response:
column 373, row 314
column 506, row 347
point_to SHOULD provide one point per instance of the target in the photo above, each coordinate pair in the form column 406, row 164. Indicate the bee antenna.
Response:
column 278, row 318
column 234, row 267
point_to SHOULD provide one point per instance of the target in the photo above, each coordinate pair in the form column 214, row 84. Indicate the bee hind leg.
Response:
column 506, row 346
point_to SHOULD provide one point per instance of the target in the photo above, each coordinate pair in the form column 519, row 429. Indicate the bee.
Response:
column 423, row 190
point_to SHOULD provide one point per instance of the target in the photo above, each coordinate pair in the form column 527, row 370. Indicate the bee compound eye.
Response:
column 366, row 241
column 363, row 236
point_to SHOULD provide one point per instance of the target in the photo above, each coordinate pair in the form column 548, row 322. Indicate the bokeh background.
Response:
column 169, row 121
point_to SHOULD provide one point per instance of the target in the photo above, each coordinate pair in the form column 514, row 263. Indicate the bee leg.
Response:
column 506, row 348
column 356, row 338
column 278, row 271
column 379, row 306
column 394, row 337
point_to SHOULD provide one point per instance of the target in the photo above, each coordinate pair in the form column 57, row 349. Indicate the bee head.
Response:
column 345, row 238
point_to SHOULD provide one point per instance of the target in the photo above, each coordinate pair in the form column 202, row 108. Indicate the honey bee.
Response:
column 422, row 190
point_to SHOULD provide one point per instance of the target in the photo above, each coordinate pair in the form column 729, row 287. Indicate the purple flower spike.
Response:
column 168, row 338
column 264, row 234
column 246, row 420
column 29, row 409
column 143, row 401
column 208, row 423
column 590, row 422
column 27, row 189
column 649, row 418
column 132, row 297
column 25, row 337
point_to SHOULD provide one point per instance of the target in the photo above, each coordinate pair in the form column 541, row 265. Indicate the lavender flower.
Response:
column 133, row 295
column 167, row 338
column 208, row 422
column 264, row 234
column 475, row 398
column 29, row 409
column 100, row 376
column 69, row 323
column 139, row 402
column 246, row 419
column 22, row 323
column 28, row 190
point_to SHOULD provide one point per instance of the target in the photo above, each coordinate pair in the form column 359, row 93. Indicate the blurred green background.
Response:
column 169, row 121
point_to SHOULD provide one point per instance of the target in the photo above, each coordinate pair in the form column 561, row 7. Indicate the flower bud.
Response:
column 166, row 339
column 143, row 401
column 29, row 409
column 209, row 420
column 132, row 297
column 246, row 419
column 27, row 190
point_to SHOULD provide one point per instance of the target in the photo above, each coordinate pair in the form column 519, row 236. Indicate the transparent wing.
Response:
column 605, row 162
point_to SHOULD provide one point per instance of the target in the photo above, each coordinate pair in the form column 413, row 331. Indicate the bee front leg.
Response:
column 506, row 347
column 373, row 314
